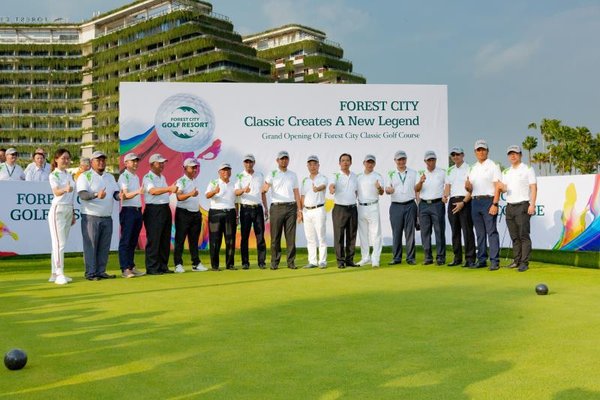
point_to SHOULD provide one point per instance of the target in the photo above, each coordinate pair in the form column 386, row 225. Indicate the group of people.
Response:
column 418, row 199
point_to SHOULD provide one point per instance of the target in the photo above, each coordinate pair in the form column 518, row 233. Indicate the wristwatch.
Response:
column 495, row 204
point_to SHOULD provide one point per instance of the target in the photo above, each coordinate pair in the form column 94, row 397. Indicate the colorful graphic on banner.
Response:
column 576, row 234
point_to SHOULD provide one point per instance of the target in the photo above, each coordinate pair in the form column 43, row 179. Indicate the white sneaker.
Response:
column 52, row 278
column 179, row 269
column 137, row 272
column 199, row 268
column 363, row 262
column 375, row 265
column 61, row 280
column 323, row 265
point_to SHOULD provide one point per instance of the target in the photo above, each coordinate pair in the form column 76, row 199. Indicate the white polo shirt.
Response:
column 312, row 198
column 58, row 180
column 456, row 178
column 131, row 183
column 34, row 173
column 282, row 186
column 403, row 184
column 91, row 181
column 225, row 199
column 346, row 187
column 367, row 192
column 517, row 182
column 151, row 180
column 256, row 181
column 187, row 185
column 433, row 187
column 11, row 173
column 483, row 177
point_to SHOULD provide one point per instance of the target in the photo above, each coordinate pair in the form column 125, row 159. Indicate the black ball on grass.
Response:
column 15, row 359
column 541, row 289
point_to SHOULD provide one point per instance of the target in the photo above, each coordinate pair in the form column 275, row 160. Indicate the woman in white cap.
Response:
column 61, row 216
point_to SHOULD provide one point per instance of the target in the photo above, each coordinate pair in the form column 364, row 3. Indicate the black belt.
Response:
column 519, row 203
column 224, row 210
column 403, row 203
column 433, row 201
column 369, row 204
column 134, row 208
column 284, row 204
column 312, row 208
column 250, row 205
column 459, row 198
column 483, row 197
column 346, row 206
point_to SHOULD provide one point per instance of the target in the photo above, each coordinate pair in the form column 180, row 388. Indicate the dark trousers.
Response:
column 345, row 226
column 403, row 217
column 131, row 220
column 486, row 230
column 96, row 233
column 221, row 223
column 157, row 220
column 461, row 223
column 517, row 221
column 283, row 220
column 188, row 225
column 252, row 216
column 433, row 216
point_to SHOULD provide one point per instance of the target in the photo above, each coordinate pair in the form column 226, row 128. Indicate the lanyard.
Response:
column 402, row 179
column 10, row 173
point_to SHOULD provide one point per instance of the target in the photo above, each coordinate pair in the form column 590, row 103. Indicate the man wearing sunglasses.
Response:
column 10, row 170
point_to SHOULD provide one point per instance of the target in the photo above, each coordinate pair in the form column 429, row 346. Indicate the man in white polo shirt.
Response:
column 130, row 216
column 222, row 217
column 253, row 211
column 459, row 209
column 188, row 219
column 482, row 183
column 400, row 186
column 98, row 192
column 369, row 187
column 344, row 187
column 432, row 211
column 314, row 215
column 157, row 217
column 520, row 185
column 286, row 209
column 38, row 170
column 10, row 170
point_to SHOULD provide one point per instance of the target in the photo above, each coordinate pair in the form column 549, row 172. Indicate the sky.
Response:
column 506, row 63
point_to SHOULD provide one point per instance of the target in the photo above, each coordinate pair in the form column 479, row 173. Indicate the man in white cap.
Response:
column 400, row 186
column 253, row 211
column 344, row 216
column 98, row 192
column 314, row 216
column 369, row 188
column 188, row 219
column 157, row 217
column 520, row 185
column 459, row 209
column 286, row 209
column 130, row 216
column 432, row 211
column 482, row 183
column 10, row 170
column 222, row 217
column 38, row 170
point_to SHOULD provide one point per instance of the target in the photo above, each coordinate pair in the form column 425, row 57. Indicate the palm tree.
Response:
column 529, row 144
column 540, row 159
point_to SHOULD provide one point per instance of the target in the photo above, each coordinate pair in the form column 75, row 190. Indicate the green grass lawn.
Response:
column 399, row 332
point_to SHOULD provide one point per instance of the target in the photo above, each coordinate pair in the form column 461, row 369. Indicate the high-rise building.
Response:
column 59, row 82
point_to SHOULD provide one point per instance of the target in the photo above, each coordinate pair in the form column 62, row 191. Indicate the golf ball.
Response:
column 184, row 122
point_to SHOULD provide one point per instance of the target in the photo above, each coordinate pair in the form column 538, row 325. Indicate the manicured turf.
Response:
column 399, row 332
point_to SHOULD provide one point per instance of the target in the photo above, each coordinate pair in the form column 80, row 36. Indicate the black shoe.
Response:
column 274, row 267
column 167, row 271
column 104, row 275
column 92, row 278
column 440, row 262
column 494, row 267
column 154, row 272
column 512, row 265
column 469, row 264
column 351, row 264
column 245, row 266
column 523, row 268
column 411, row 262
column 262, row 266
column 215, row 269
column 481, row 264
column 231, row 268
column 341, row 266
column 428, row 262
column 455, row 263
column 394, row 262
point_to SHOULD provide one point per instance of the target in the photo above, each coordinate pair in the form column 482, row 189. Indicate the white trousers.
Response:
column 59, row 219
column 314, row 230
column 369, row 232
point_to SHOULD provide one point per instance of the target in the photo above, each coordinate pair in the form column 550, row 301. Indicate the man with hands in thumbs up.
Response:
column 253, row 211
column 314, row 215
column 98, row 192
column 369, row 188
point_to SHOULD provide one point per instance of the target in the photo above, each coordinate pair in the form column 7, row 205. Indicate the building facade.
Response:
column 59, row 83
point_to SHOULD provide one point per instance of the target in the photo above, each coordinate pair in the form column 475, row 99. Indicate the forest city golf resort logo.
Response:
column 184, row 122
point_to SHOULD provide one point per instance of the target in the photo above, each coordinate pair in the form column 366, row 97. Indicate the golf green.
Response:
column 401, row 332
